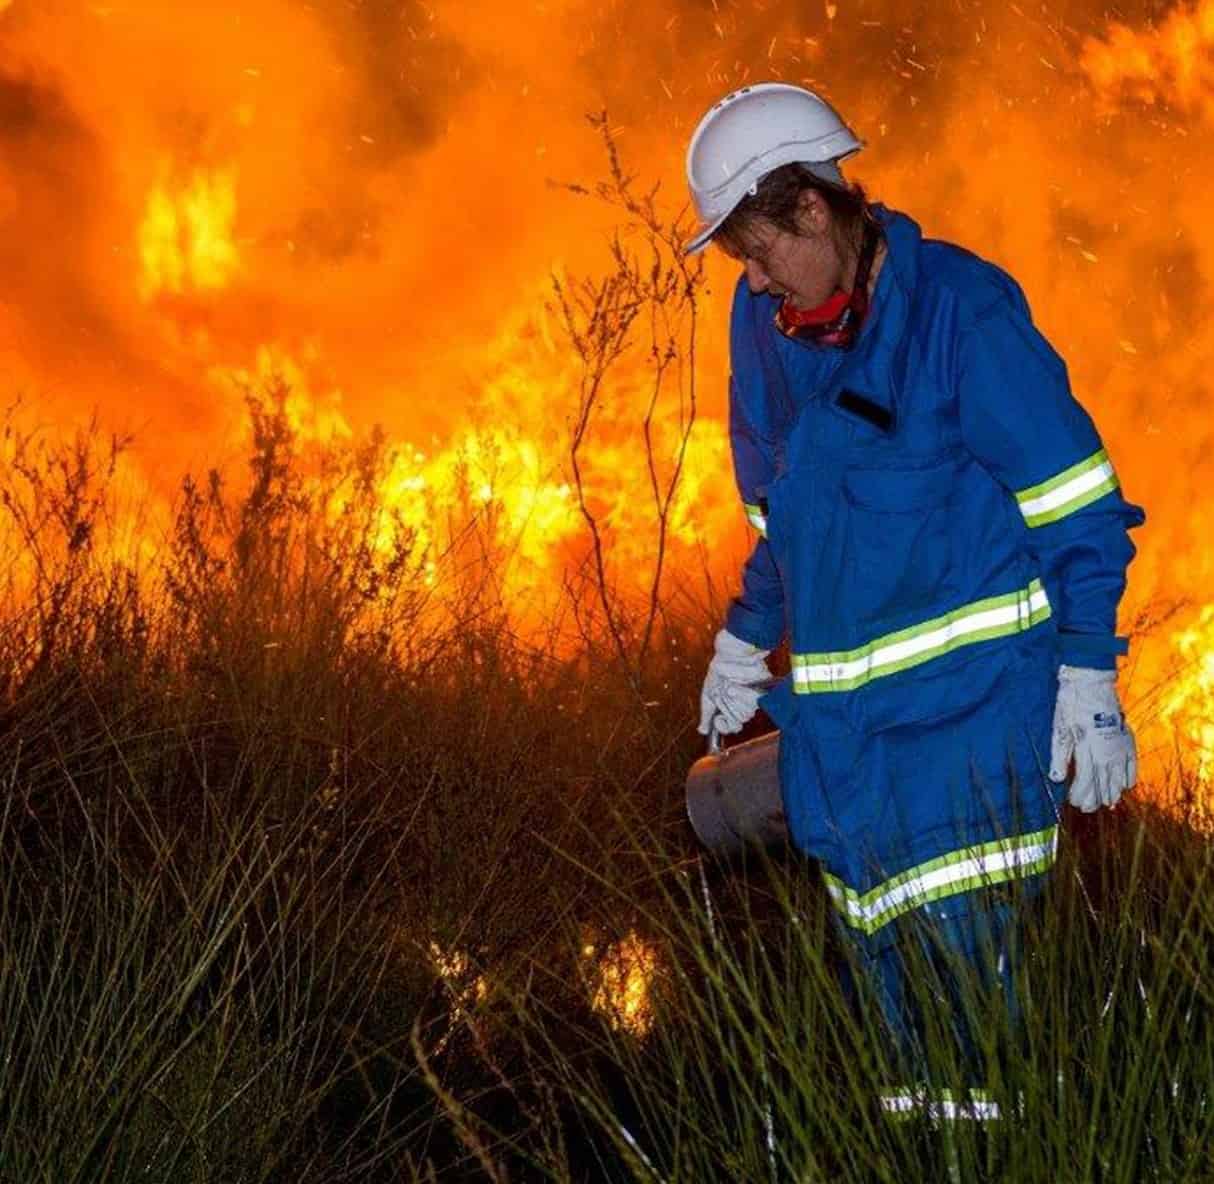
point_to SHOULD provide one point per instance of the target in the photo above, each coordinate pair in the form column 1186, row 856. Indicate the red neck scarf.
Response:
column 837, row 320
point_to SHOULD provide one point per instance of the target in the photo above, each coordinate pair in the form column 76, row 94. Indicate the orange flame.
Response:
column 1188, row 707
column 185, row 239
column 1169, row 65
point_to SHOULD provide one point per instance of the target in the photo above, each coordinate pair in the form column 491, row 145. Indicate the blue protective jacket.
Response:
column 939, row 527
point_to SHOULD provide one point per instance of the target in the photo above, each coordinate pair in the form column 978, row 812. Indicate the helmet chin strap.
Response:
column 837, row 320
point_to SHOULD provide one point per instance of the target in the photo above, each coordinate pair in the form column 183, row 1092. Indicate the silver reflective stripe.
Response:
column 947, row 875
column 756, row 517
column 1068, row 491
column 974, row 1104
column 981, row 620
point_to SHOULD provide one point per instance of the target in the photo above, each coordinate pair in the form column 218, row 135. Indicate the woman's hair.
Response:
column 776, row 199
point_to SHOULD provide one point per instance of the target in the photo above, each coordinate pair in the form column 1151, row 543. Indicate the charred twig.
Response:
column 655, row 279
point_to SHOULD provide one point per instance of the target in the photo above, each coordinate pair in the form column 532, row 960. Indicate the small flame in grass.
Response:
column 623, row 982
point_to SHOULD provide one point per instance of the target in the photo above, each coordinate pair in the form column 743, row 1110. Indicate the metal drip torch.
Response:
column 733, row 794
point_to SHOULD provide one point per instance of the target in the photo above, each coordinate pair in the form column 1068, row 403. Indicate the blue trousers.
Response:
column 936, row 972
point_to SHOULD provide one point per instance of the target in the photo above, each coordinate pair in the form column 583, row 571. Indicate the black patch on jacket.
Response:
column 877, row 415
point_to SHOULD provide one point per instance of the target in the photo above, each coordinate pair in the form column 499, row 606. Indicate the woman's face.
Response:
column 806, row 267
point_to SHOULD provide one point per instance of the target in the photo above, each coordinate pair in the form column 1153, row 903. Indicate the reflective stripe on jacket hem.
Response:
column 1068, row 491
column 981, row 620
column 990, row 863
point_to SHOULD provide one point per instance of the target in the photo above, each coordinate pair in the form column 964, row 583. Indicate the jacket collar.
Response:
column 876, row 364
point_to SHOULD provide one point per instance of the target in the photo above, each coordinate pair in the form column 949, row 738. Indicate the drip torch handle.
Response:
column 716, row 743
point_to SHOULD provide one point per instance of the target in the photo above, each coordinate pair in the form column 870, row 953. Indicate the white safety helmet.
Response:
column 752, row 131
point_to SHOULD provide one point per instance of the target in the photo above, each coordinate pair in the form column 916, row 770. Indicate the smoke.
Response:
column 49, row 154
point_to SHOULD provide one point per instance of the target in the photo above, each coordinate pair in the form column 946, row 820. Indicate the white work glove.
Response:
column 1090, row 726
column 737, row 676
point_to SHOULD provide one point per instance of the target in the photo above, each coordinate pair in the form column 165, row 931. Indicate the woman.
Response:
column 943, row 542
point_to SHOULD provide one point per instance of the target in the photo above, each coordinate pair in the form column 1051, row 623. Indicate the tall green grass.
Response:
column 180, row 1005
column 757, row 1068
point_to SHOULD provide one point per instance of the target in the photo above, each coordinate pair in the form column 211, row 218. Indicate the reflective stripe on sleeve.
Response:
column 756, row 517
column 990, row 863
column 980, row 620
column 1068, row 491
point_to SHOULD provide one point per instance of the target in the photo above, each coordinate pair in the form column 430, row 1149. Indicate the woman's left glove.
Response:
column 1090, row 726
column 737, row 677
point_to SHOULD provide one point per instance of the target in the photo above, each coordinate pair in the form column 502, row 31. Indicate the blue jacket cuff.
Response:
column 1095, row 651
column 765, row 630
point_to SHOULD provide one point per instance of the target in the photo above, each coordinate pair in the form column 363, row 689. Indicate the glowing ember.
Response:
column 453, row 967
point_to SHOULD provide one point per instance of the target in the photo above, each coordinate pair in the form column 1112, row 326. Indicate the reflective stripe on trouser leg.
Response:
column 941, row 1105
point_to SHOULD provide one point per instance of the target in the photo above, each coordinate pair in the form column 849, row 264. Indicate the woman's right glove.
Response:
column 737, row 677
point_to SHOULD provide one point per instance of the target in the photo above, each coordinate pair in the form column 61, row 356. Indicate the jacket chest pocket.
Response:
column 900, row 543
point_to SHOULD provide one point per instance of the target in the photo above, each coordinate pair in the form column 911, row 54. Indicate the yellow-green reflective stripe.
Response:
column 1068, row 491
column 980, row 620
column 947, row 875
column 942, row 1103
column 757, row 518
